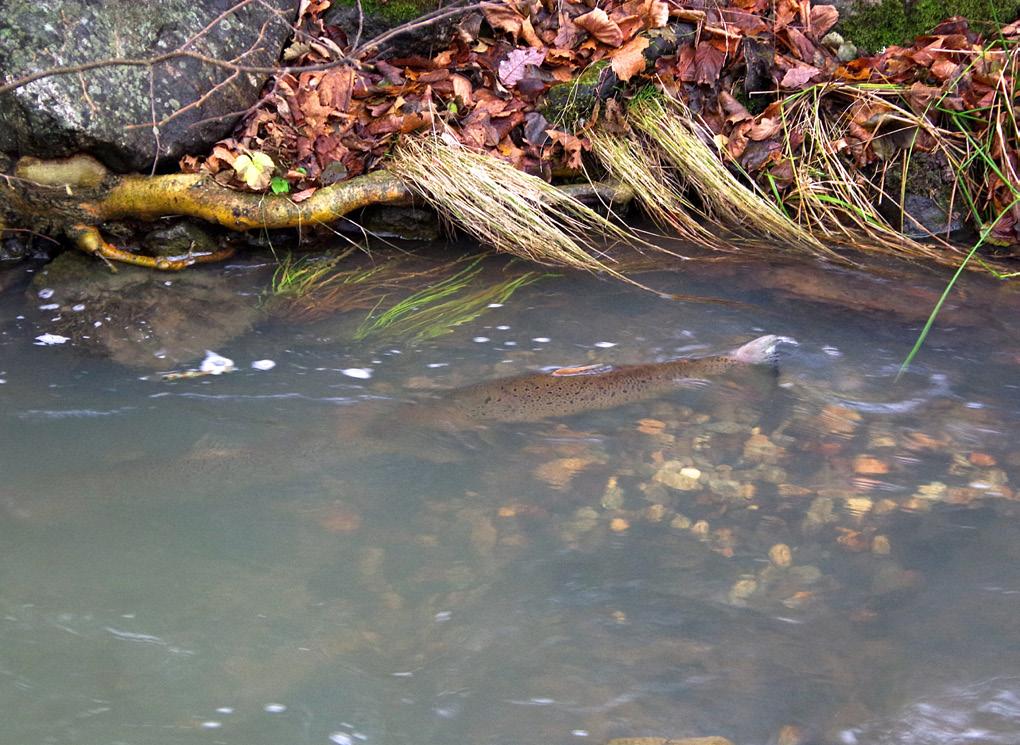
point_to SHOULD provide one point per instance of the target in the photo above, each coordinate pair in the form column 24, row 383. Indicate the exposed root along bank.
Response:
column 78, row 195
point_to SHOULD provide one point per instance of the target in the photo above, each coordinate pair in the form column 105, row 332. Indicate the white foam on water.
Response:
column 263, row 364
column 361, row 373
column 46, row 340
column 215, row 364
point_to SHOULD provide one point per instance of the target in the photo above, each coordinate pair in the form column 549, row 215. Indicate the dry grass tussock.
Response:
column 507, row 209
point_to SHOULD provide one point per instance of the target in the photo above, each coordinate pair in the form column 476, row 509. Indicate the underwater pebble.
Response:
column 870, row 465
column 361, row 373
column 701, row 528
column 619, row 525
column 263, row 364
column 742, row 589
column 45, row 340
column 677, row 476
column 275, row 708
column 880, row 545
column 680, row 522
column 781, row 555
column 859, row 506
column 981, row 459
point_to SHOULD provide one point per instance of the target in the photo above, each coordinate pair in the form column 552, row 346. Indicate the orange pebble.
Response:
column 619, row 525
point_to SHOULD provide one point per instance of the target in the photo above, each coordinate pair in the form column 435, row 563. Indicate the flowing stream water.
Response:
column 820, row 554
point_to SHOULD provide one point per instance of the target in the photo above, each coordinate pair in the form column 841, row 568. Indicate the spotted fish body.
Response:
column 533, row 397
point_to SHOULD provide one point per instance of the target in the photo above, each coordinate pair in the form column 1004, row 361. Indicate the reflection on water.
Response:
column 823, row 555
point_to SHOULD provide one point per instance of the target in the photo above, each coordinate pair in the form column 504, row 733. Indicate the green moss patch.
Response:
column 898, row 21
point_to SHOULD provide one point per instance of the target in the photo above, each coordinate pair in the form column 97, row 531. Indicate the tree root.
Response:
column 77, row 195
column 88, row 239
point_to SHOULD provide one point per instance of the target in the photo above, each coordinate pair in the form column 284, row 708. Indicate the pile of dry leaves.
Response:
column 735, row 63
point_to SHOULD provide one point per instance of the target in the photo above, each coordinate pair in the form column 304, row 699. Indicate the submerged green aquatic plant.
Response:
column 439, row 308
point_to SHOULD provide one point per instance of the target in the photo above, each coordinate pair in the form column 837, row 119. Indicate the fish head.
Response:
column 761, row 351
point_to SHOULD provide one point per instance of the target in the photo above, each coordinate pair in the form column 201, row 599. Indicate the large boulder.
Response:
column 107, row 111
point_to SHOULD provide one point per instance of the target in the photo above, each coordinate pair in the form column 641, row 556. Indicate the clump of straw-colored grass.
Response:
column 505, row 208
column 829, row 195
column 627, row 158
column 672, row 127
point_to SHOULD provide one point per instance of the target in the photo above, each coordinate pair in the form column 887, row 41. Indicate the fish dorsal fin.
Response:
column 596, row 369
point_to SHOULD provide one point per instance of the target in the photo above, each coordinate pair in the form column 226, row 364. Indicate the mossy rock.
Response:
column 382, row 15
column 874, row 25
column 573, row 103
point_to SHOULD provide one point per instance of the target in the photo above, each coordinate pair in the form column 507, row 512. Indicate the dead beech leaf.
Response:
column 656, row 13
column 513, row 68
column 572, row 146
column 708, row 62
column 599, row 25
column 503, row 18
column 797, row 77
column 629, row 60
column 462, row 89
column 823, row 17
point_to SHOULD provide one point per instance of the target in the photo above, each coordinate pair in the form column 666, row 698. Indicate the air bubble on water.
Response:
column 49, row 306
column 443, row 615
column 832, row 351
column 97, row 324
column 168, row 283
column 46, row 293
column 542, row 339
column 543, row 701
column 341, row 738
column 579, row 732
column 434, row 365
column 78, row 308
column 361, row 373
column 605, row 344
column 509, row 344
column 275, row 708
column 212, row 724
column 495, row 305
column 504, row 327
column 225, row 710
column 45, row 340
column 481, row 339
column 263, row 364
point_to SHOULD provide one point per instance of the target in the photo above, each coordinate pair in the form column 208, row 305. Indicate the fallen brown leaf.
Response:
column 629, row 60
column 598, row 24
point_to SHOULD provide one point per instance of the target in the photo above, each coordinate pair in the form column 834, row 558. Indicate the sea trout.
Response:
column 538, row 396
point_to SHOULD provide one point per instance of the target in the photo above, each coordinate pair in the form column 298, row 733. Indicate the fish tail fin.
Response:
column 760, row 351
